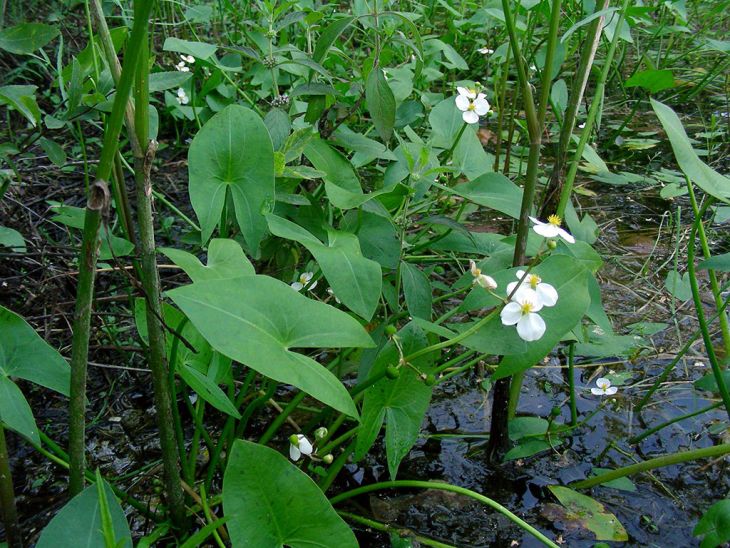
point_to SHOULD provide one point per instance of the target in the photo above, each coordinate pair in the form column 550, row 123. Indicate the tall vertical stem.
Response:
column 87, row 261
column 8, row 511
column 151, row 286
column 96, row 207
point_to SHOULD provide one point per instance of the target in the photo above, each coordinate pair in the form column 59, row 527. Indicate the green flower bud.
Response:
column 320, row 433
column 294, row 440
column 327, row 459
column 552, row 244
column 391, row 330
column 392, row 372
column 430, row 379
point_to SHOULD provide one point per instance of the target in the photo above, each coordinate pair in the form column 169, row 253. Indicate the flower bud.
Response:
column 552, row 244
column 294, row 440
column 391, row 330
column 320, row 433
column 327, row 459
column 392, row 372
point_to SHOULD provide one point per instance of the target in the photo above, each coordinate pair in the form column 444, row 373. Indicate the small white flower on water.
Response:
column 304, row 279
column 604, row 388
column 299, row 445
column 545, row 292
column 189, row 59
column 522, row 311
column 551, row 229
column 182, row 67
column 486, row 51
column 487, row 282
column 182, row 97
column 471, row 104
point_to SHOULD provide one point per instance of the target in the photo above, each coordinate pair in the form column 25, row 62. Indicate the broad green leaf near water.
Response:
column 591, row 514
column 355, row 280
column 232, row 153
column 79, row 523
column 270, row 503
column 22, row 99
column 110, row 245
column 718, row 262
column 225, row 260
column 652, row 80
column 678, row 285
column 401, row 403
column 714, row 525
column 257, row 320
column 495, row 191
column 160, row 81
column 15, row 412
column 199, row 50
column 380, row 102
column 709, row 180
column 26, row 38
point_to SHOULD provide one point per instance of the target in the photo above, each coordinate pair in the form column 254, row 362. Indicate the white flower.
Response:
column 331, row 293
column 551, row 229
column 487, row 282
column 304, row 279
column 523, row 312
column 604, row 388
column 189, row 59
column 471, row 104
column 182, row 67
column 545, row 292
column 182, row 97
column 301, row 447
column 485, row 51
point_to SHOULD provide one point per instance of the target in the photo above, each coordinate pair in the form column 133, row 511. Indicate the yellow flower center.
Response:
column 472, row 106
column 527, row 307
column 534, row 280
column 554, row 220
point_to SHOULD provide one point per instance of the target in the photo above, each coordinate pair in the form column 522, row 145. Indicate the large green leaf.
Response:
column 225, row 260
column 207, row 389
column 232, row 153
column 401, row 402
column 270, row 503
column 652, row 80
column 257, row 320
column 699, row 173
column 201, row 50
column 417, row 291
column 718, row 262
column 381, row 103
column 79, row 523
column 25, row 38
column 13, row 239
column 340, row 180
column 15, row 412
column 355, row 280
column 22, row 99
column 714, row 525
column 590, row 514
column 24, row 354
column 495, row 191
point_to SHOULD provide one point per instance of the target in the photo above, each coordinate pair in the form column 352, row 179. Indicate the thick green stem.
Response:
column 96, row 208
column 651, row 464
column 413, row 484
column 696, row 297
column 8, row 511
column 567, row 189
column 714, row 285
column 593, row 38
column 151, row 286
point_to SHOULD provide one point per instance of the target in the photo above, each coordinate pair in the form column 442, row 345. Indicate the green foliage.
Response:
column 218, row 169
column 714, row 526
column 271, row 503
column 591, row 514
column 26, row 38
column 84, row 523
column 257, row 320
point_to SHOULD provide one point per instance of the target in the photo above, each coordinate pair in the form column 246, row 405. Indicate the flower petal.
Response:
column 297, row 286
column 511, row 287
column 473, row 268
column 462, row 103
column 511, row 313
column 313, row 285
column 566, row 236
column 520, row 274
column 536, row 221
column 294, row 452
column 546, row 230
column 470, row 117
column 481, row 106
column 463, row 91
column 603, row 383
column 611, row 390
column 304, row 446
column 596, row 391
column 547, row 294
column 531, row 327
column 487, row 282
